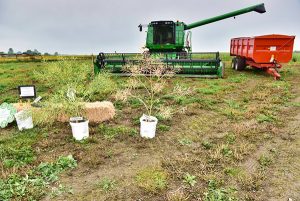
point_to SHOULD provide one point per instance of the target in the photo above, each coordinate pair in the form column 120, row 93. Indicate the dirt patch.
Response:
column 121, row 169
column 283, row 177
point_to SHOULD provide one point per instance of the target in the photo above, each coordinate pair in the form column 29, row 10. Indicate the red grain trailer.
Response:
column 265, row 52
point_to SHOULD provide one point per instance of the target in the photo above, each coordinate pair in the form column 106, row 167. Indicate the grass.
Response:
column 152, row 179
column 113, row 132
column 22, row 74
column 211, row 89
column 238, row 78
column 39, row 58
column 296, row 58
column 201, row 153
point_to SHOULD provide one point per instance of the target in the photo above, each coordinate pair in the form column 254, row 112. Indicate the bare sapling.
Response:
column 148, row 78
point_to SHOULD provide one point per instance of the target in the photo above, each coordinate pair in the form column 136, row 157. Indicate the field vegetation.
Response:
column 235, row 138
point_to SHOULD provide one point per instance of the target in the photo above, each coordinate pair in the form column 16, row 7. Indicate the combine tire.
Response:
column 240, row 64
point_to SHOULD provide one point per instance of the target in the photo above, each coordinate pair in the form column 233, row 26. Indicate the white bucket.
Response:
column 148, row 128
column 24, row 120
column 80, row 130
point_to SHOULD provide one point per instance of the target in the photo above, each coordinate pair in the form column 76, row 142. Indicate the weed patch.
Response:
column 226, row 151
column 2, row 87
column 17, row 157
column 135, row 103
column 232, row 171
column 230, row 138
column 162, row 127
column 265, row 118
column 165, row 113
column 207, row 145
column 219, row 194
column 110, row 132
column 185, row 142
column 152, row 179
column 107, row 184
column 189, row 179
column 17, row 151
column 33, row 185
column 294, row 104
column 182, row 100
column 61, row 189
column 238, row 79
column 264, row 161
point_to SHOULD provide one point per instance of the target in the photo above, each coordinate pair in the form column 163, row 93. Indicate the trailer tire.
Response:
column 233, row 63
column 240, row 64
column 223, row 71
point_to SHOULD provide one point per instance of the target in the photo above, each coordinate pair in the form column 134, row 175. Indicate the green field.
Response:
column 296, row 57
column 225, row 139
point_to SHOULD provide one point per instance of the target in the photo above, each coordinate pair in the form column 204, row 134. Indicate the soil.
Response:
column 283, row 178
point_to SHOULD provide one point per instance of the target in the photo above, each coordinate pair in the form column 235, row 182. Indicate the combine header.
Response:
column 170, row 42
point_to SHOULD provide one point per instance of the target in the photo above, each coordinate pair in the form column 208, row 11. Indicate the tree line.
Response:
column 29, row 52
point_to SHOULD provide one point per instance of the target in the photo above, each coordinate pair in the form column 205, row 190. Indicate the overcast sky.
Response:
column 91, row 26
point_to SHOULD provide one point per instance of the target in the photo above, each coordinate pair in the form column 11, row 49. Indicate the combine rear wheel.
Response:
column 240, row 64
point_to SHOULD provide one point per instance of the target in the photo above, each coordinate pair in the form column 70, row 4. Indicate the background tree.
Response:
column 30, row 52
column 56, row 53
column 10, row 51
column 36, row 52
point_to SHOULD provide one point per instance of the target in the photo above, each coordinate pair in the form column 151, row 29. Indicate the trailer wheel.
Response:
column 240, row 64
column 233, row 63
column 223, row 71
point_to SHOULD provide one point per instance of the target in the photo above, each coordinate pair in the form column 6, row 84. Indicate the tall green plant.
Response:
column 71, row 84
column 65, row 74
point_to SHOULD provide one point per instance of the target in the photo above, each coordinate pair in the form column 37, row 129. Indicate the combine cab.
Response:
column 170, row 42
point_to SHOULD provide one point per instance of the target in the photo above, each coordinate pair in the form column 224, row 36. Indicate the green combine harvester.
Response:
column 170, row 42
